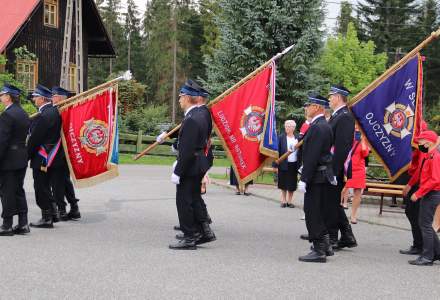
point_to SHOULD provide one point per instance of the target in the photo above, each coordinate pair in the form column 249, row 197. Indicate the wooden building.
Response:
column 39, row 25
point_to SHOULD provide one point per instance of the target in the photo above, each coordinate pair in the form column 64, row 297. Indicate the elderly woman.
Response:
column 288, row 169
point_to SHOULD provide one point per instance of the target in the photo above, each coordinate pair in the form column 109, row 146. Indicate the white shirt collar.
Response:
column 8, row 106
column 339, row 108
column 316, row 117
column 189, row 109
column 41, row 107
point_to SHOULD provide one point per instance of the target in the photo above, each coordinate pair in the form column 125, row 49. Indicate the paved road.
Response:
column 119, row 250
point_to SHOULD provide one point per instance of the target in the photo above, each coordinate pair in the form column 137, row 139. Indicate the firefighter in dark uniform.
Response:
column 60, row 94
column 192, row 164
column 316, row 176
column 342, row 124
column 200, row 210
column 47, row 158
column 14, row 127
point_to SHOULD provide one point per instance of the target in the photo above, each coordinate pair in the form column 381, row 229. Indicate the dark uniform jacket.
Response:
column 282, row 148
column 316, row 151
column 191, row 160
column 342, row 124
column 45, row 130
column 14, row 127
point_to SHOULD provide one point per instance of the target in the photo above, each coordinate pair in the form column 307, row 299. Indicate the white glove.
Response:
column 161, row 137
column 301, row 187
column 174, row 165
column 300, row 170
column 335, row 181
column 175, row 179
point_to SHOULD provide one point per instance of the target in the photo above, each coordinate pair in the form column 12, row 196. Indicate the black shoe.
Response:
column 74, row 213
column 290, row 205
column 304, row 237
column 316, row 255
column 283, row 205
column 411, row 251
column 21, row 229
column 45, row 221
column 207, row 235
column 63, row 214
column 346, row 242
column 177, row 228
column 55, row 213
column 6, row 231
column 188, row 243
column 421, row 261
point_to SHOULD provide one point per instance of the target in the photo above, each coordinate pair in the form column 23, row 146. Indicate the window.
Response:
column 27, row 73
column 51, row 13
column 72, row 78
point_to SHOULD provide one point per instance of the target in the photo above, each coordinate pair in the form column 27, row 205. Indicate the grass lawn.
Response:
column 162, row 160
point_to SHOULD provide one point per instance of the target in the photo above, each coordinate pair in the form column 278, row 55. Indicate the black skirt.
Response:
column 287, row 180
column 233, row 179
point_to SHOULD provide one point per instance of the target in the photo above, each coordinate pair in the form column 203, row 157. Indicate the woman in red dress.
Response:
column 357, row 182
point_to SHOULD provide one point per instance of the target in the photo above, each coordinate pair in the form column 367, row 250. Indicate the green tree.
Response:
column 388, row 24
column 250, row 32
column 209, row 10
column 345, row 17
column 350, row 62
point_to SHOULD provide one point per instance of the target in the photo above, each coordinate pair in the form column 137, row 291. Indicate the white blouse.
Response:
column 291, row 142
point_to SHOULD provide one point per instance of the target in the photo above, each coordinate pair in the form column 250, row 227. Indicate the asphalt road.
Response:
column 119, row 250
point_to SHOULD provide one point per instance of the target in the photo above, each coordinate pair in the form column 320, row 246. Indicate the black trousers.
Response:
column 334, row 214
column 412, row 213
column 69, row 189
column 49, row 187
column 431, row 242
column 187, row 199
column 13, row 197
column 199, row 206
column 314, row 200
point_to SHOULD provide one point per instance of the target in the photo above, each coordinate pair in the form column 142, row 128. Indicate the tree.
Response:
column 345, row 17
column 348, row 61
column 209, row 10
column 251, row 32
column 388, row 24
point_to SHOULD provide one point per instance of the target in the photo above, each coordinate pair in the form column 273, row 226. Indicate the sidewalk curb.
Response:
column 225, row 184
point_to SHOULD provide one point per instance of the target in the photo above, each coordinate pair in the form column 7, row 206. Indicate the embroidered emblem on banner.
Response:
column 94, row 136
column 399, row 120
column 252, row 123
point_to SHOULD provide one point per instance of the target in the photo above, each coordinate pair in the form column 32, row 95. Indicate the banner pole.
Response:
column 394, row 68
column 221, row 96
column 126, row 76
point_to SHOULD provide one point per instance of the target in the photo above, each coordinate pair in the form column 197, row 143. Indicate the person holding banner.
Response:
column 316, row 175
column 60, row 94
column 428, row 194
column 47, row 158
column 342, row 124
column 14, row 127
column 192, row 164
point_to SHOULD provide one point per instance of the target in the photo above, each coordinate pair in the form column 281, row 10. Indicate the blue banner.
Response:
column 389, row 113
column 269, row 144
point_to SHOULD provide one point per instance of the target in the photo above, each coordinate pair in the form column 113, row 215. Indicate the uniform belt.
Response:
column 322, row 168
column 17, row 146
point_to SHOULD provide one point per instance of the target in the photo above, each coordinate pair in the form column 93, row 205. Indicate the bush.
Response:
column 146, row 119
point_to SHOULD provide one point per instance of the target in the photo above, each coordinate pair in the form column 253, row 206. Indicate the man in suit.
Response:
column 14, row 127
column 192, row 164
column 60, row 94
column 47, row 158
column 342, row 124
column 315, row 177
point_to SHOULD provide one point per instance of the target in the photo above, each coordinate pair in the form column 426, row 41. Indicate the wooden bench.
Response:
column 384, row 189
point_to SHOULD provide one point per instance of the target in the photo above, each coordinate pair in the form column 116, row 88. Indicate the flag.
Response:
column 244, row 120
column 90, row 137
column 390, row 114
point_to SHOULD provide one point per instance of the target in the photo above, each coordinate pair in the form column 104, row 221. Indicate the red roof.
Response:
column 13, row 15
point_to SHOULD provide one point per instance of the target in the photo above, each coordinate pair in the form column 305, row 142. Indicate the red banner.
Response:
column 89, row 134
column 239, row 120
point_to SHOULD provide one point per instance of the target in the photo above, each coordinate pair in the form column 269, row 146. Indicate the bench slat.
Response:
column 384, row 191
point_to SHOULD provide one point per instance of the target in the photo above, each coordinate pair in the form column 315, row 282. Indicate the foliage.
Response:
column 345, row 17
column 432, row 116
column 146, row 119
column 350, row 62
column 251, row 32
column 131, row 95
column 24, row 54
